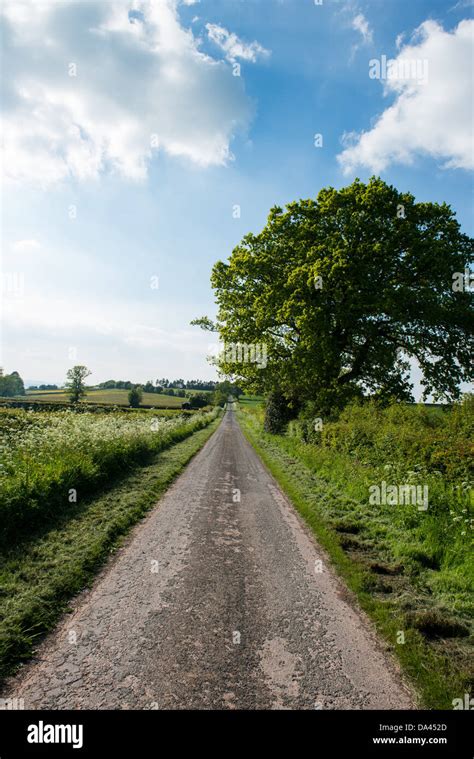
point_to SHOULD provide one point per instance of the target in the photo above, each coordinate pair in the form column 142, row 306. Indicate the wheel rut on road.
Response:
column 215, row 601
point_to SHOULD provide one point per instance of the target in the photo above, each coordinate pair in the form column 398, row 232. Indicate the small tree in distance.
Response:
column 75, row 385
column 135, row 396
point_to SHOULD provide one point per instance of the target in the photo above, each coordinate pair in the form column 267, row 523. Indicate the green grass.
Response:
column 251, row 400
column 40, row 575
column 50, row 459
column 409, row 570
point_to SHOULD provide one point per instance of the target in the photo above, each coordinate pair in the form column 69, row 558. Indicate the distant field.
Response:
column 113, row 397
column 251, row 400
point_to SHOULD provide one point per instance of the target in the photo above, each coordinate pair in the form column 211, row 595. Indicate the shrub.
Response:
column 198, row 400
column 135, row 397
column 277, row 413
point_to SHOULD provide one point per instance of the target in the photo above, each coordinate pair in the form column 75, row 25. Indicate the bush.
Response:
column 277, row 413
column 437, row 439
column 199, row 400
column 135, row 397
column 403, row 444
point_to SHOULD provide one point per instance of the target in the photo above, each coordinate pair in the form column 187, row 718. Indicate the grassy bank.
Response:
column 50, row 460
column 39, row 575
column 409, row 568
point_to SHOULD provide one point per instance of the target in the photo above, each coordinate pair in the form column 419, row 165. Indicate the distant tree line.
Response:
column 163, row 386
column 43, row 387
column 197, row 384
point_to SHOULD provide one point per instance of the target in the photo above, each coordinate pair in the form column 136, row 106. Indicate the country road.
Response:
column 213, row 602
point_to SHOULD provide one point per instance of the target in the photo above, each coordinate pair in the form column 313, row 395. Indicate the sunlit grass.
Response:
column 50, row 460
column 411, row 570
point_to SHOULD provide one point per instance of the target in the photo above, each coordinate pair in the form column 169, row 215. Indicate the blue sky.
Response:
column 79, row 144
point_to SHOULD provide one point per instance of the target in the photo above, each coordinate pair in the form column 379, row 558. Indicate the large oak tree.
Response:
column 344, row 290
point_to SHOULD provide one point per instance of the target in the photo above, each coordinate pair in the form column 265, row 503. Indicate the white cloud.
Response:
column 110, row 320
column 137, row 76
column 399, row 40
column 104, row 335
column 462, row 4
column 361, row 25
column 234, row 47
column 41, row 312
column 432, row 118
column 26, row 246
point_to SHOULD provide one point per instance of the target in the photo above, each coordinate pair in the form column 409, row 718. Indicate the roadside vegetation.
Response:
column 50, row 460
column 72, row 486
column 411, row 569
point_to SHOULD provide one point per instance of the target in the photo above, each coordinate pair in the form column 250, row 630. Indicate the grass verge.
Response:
column 437, row 664
column 38, row 578
column 49, row 460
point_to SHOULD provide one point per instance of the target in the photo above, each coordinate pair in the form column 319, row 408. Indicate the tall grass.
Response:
column 50, row 460
column 404, row 445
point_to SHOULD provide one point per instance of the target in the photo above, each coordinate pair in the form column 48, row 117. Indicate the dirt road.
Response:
column 215, row 601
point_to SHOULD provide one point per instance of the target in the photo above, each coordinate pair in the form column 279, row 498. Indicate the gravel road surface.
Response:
column 215, row 601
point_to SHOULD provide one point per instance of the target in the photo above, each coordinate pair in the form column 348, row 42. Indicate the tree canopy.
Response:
column 11, row 385
column 343, row 291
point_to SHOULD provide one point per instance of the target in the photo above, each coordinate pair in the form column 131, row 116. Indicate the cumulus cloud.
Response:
column 234, row 47
column 431, row 116
column 99, row 86
column 399, row 40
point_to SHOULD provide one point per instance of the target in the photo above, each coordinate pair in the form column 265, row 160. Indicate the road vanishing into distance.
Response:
column 215, row 601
